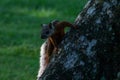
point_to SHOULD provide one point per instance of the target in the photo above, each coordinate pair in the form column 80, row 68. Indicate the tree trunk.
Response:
column 92, row 52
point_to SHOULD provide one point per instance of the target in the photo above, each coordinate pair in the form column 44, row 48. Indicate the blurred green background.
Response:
column 20, row 33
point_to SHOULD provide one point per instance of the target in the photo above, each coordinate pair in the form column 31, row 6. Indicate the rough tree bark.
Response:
column 92, row 52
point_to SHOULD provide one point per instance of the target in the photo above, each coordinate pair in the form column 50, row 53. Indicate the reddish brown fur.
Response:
column 56, row 38
column 51, row 45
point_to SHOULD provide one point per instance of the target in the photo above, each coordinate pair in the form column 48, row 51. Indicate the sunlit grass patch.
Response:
column 44, row 13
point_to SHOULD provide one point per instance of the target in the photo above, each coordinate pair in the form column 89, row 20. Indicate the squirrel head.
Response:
column 48, row 29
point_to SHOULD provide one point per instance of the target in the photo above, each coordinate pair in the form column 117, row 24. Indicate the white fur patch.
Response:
column 43, row 56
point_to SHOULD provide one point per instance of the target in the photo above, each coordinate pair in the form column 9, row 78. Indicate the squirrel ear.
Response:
column 54, row 22
column 43, row 24
column 50, row 25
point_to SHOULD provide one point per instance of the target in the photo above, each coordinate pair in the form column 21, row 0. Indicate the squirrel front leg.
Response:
column 54, row 43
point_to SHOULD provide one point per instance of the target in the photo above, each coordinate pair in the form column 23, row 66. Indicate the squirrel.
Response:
column 54, row 33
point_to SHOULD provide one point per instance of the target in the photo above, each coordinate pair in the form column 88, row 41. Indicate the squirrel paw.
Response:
column 55, row 50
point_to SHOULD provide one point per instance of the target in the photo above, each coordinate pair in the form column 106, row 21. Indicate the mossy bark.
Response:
column 92, row 52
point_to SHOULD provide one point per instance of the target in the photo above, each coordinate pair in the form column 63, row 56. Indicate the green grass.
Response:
column 20, row 33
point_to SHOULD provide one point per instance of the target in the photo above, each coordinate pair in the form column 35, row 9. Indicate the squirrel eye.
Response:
column 47, row 32
column 50, row 27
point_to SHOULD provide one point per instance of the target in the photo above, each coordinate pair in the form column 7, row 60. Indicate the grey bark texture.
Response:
column 92, row 52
